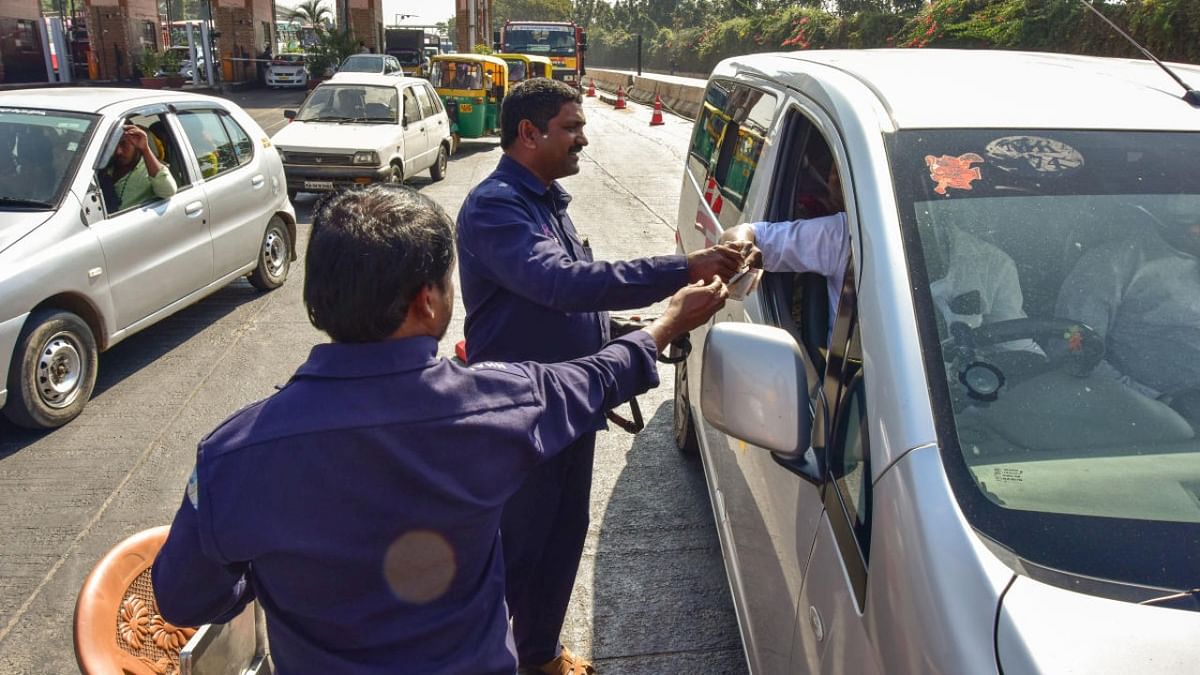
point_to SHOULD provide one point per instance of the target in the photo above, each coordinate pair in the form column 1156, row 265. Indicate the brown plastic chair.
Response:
column 118, row 628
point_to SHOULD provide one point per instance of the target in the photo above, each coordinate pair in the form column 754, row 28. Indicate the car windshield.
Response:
column 39, row 150
column 350, row 103
column 516, row 70
column 545, row 40
column 363, row 63
column 1057, row 274
column 460, row 75
column 407, row 57
column 288, row 59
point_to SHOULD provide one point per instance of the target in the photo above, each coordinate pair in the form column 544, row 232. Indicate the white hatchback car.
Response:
column 287, row 70
column 955, row 428
column 357, row 129
column 84, row 265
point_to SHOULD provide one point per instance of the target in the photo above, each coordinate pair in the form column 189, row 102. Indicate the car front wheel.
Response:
column 438, row 170
column 53, row 371
column 274, row 257
column 684, row 425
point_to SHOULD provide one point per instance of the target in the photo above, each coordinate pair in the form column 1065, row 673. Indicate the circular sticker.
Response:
column 1042, row 156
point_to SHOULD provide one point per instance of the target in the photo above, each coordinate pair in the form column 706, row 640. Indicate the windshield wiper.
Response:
column 18, row 201
column 324, row 118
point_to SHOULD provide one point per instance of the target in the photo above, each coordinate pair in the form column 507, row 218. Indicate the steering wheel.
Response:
column 1070, row 345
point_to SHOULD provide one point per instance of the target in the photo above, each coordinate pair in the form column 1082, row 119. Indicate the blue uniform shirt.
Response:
column 531, row 290
column 361, row 503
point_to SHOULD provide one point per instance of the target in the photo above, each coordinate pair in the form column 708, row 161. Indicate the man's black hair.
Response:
column 371, row 250
column 538, row 100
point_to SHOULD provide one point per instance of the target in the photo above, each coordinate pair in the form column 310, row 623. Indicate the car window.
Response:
column 123, row 190
column 39, row 153
column 412, row 109
column 434, row 98
column 727, row 144
column 215, row 151
column 241, row 140
column 333, row 102
column 427, row 107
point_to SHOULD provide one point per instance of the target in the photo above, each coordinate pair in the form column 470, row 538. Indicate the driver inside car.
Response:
column 1142, row 296
column 972, row 281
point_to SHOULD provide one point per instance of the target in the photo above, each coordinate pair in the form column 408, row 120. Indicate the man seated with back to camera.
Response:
column 361, row 503
column 134, row 175
column 972, row 281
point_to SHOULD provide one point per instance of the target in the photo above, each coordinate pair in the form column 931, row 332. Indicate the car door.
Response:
column 233, row 178
column 435, row 122
column 767, row 511
column 416, row 145
column 160, row 250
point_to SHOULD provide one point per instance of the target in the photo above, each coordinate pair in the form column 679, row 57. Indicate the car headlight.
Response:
column 366, row 157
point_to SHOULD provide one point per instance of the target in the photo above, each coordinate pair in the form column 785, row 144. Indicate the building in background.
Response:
column 473, row 24
column 21, row 55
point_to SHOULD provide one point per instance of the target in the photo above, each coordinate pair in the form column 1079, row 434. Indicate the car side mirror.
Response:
column 289, row 114
column 92, row 210
column 753, row 387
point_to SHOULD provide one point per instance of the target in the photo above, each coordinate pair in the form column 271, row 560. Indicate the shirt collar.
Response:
column 369, row 359
column 519, row 174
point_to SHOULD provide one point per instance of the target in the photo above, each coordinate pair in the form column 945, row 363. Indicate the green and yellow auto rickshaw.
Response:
column 525, row 66
column 472, row 87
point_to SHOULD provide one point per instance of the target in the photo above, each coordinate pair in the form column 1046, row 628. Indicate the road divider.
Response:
column 681, row 96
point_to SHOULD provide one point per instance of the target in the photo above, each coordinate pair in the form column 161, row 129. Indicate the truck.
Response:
column 562, row 41
column 408, row 46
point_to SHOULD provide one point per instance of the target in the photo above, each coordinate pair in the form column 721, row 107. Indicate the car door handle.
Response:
column 258, row 181
column 194, row 209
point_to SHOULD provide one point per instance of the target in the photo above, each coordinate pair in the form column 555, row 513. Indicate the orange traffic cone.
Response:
column 592, row 89
column 620, row 104
column 657, row 118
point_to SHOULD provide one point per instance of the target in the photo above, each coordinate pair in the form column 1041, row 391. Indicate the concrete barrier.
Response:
column 682, row 96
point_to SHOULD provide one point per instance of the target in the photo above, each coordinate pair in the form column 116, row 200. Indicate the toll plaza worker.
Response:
column 533, row 292
column 361, row 503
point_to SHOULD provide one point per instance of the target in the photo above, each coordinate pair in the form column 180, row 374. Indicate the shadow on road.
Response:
column 661, row 601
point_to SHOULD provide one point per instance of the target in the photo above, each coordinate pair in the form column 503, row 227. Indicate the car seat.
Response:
column 350, row 103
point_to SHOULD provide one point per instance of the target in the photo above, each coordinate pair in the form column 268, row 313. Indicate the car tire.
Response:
column 274, row 257
column 292, row 194
column 53, row 370
column 684, row 426
column 438, row 170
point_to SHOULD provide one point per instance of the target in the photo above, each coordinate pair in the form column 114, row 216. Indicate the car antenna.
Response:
column 1190, row 95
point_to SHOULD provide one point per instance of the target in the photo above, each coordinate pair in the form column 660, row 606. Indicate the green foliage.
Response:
column 169, row 62
column 482, row 49
column 149, row 62
column 530, row 10
column 313, row 12
column 331, row 49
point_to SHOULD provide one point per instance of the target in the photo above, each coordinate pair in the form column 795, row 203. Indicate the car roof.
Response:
column 94, row 99
column 479, row 58
column 932, row 88
column 378, row 79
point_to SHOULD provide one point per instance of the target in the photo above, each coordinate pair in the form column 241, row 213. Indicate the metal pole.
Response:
column 41, row 24
column 470, row 26
column 639, row 54
column 192, row 51
column 60, row 47
column 205, row 41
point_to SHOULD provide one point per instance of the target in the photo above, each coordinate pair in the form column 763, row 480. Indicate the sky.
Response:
column 428, row 12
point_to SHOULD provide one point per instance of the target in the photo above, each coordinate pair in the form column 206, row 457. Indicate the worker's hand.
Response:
column 136, row 137
column 692, row 306
column 751, row 255
column 722, row 260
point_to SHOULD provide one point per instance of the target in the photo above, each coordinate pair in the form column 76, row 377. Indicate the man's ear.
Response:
column 528, row 133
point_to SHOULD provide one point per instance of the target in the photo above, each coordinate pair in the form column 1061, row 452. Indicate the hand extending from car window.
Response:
column 691, row 306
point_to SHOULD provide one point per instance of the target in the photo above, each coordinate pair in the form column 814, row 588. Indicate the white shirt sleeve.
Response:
column 819, row 245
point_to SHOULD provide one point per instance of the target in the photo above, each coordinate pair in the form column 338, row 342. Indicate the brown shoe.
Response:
column 566, row 663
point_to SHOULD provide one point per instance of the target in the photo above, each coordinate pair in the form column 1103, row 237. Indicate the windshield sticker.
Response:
column 23, row 111
column 953, row 172
column 1043, row 156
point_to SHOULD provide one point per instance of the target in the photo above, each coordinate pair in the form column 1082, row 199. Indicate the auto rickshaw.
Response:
column 472, row 87
column 525, row 66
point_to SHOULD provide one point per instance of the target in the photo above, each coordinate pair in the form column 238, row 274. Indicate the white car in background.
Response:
column 287, row 70
column 358, row 129
column 82, row 268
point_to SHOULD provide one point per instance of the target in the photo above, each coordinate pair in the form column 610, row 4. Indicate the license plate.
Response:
column 465, row 107
column 318, row 184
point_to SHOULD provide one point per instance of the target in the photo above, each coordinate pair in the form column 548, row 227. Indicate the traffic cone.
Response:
column 657, row 118
column 620, row 104
column 592, row 89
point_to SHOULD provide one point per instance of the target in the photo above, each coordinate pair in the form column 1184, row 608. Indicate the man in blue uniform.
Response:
column 361, row 503
column 533, row 292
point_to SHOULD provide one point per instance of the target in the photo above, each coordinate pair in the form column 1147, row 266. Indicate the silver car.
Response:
column 969, row 444
column 82, row 267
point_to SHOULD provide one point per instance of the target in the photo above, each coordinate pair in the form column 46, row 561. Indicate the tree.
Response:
column 314, row 13
column 530, row 10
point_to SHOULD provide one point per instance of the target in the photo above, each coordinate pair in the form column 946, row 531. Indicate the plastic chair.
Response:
column 118, row 628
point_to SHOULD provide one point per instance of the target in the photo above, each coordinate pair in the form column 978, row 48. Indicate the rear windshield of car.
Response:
column 1058, row 281
column 363, row 64
column 39, row 153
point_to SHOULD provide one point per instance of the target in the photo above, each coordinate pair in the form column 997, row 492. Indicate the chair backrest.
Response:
column 118, row 628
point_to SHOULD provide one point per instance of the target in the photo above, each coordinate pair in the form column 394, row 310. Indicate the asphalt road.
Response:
column 651, row 596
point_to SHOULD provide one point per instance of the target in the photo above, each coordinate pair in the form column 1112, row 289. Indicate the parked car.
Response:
column 359, row 128
column 287, row 70
column 380, row 64
column 79, row 273
column 902, row 483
